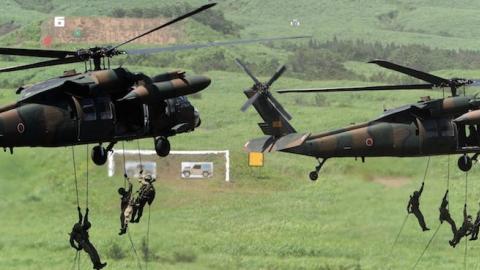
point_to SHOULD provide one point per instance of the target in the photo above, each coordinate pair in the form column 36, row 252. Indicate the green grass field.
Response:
column 267, row 218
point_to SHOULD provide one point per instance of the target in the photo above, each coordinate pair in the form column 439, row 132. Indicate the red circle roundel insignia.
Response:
column 20, row 128
column 369, row 142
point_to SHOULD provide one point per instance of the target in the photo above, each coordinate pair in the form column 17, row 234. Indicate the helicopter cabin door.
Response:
column 438, row 136
column 97, row 119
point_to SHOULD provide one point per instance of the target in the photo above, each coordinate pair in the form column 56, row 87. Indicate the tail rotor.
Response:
column 262, row 89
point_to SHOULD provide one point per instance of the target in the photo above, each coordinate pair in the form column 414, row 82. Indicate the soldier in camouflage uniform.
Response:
column 124, row 203
column 465, row 229
column 413, row 207
column 476, row 227
column 80, row 236
column 146, row 193
column 445, row 214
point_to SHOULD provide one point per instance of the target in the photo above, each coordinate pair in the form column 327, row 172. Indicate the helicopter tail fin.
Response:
column 275, row 122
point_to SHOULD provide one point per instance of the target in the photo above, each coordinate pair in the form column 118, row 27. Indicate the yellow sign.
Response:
column 255, row 159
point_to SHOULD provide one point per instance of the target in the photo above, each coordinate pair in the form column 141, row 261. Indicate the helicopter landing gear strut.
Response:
column 465, row 162
column 314, row 174
column 162, row 146
column 100, row 153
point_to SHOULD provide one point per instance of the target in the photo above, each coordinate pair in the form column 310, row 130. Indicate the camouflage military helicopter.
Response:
column 103, row 105
column 426, row 128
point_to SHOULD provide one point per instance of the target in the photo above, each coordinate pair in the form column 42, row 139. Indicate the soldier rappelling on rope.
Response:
column 413, row 207
column 125, row 201
column 465, row 229
column 445, row 214
column 476, row 226
column 79, row 239
column 146, row 194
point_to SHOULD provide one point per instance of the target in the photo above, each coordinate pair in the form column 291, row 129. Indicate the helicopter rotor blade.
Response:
column 36, row 52
column 359, row 89
column 206, row 45
column 182, row 17
column 250, row 101
column 424, row 76
column 54, row 62
column 278, row 106
column 249, row 73
column 277, row 75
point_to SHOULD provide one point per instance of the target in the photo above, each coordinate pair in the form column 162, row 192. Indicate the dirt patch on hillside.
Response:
column 8, row 27
column 390, row 181
column 106, row 30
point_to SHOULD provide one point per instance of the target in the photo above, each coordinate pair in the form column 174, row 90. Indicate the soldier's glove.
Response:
column 141, row 171
column 125, row 175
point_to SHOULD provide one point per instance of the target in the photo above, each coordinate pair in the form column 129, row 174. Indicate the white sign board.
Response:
column 196, row 169
column 59, row 22
column 133, row 168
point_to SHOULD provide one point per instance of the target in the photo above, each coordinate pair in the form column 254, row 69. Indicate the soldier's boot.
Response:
column 452, row 243
column 421, row 220
column 474, row 235
column 122, row 231
column 99, row 266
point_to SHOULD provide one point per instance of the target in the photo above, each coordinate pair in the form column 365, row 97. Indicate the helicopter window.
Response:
column 88, row 108
column 435, row 128
column 446, row 128
column 430, row 128
column 105, row 109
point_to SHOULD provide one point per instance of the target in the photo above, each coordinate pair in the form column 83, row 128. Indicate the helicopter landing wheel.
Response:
column 99, row 155
column 162, row 146
column 314, row 174
column 465, row 163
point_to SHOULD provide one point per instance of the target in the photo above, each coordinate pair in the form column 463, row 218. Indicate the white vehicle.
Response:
column 197, row 169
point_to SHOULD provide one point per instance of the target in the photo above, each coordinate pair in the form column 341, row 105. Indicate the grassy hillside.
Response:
column 268, row 218
column 444, row 24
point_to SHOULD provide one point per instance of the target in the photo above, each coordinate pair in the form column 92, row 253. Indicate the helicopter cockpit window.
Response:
column 89, row 111
column 105, row 109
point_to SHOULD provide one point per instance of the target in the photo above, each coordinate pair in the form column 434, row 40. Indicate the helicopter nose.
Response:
column 470, row 118
column 198, row 83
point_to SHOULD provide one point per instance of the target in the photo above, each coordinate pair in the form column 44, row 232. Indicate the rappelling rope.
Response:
column 148, row 240
column 448, row 173
column 124, row 167
column 427, row 246
column 78, row 260
column 139, row 154
column 75, row 260
column 398, row 234
column 75, row 175
column 134, row 250
column 86, row 199
column 77, row 254
column 466, row 242
column 406, row 217
column 426, row 170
